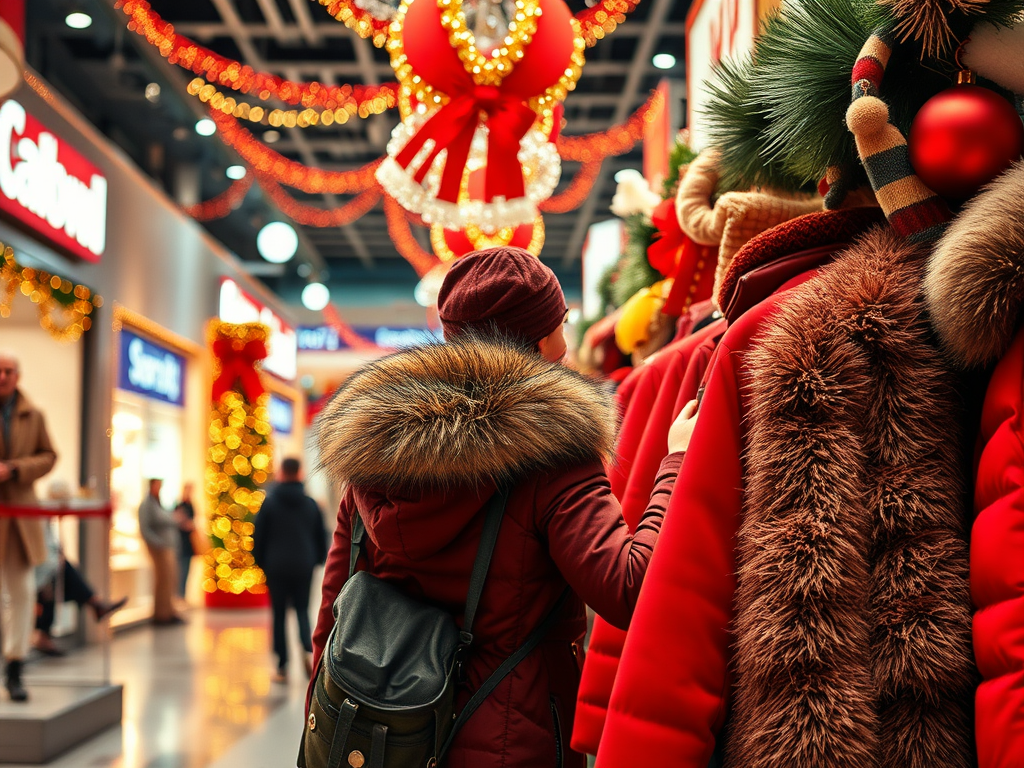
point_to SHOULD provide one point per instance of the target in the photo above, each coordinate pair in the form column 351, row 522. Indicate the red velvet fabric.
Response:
column 561, row 527
column 997, row 567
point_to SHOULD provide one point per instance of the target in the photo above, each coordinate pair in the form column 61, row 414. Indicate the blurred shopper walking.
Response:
column 75, row 589
column 288, row 543
column 186, row 515
column 26, row 454
column 159, row 529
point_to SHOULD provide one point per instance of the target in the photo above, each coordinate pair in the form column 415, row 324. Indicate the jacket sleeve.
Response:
column 40, row 461
column 632, row 428
column 670, row 695
column 335, row 575
column 997, row 570
column 590, row 542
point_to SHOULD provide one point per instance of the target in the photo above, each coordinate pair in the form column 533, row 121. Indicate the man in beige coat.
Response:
column 26, row 454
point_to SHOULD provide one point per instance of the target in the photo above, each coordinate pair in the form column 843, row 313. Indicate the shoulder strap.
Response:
column 358, row 531
column 507, row 666
column 489, row 537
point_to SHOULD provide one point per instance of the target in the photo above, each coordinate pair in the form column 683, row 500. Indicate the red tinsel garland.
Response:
column 572, row 197
column 401, row 235
column 196, row 58
column 617, row 140
column 220, row 206
column 603, row 18
column 267, row 162
column 312, row 216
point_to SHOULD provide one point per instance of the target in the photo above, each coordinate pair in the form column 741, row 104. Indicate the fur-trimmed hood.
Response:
column 463, row 413
column 975, row 282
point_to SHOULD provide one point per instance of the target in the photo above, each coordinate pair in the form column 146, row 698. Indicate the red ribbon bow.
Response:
column 675, row 255
column 239, row 365
column 507, row 117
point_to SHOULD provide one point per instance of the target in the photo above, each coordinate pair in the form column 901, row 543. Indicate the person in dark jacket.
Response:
column 422, row 438
column 288, row 542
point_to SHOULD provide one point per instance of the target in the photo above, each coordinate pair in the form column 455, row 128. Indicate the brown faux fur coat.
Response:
column 853, row 623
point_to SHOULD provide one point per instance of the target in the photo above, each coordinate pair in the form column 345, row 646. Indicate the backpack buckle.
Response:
column 460, row 665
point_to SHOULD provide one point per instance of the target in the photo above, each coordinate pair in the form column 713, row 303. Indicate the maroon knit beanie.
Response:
column 504, row 291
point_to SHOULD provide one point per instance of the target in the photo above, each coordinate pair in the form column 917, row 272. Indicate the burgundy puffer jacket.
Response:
column 421, row 437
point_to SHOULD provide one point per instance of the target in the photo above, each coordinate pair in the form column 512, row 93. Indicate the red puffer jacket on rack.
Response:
column 643, row 443
column 975, row 300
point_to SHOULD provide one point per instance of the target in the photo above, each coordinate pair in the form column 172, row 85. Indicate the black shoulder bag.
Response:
column 384, row 695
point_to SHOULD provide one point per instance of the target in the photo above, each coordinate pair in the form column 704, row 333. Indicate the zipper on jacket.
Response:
column 558, row 733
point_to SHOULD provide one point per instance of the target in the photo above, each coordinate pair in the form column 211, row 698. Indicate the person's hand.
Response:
column 682, row 428
column 5, row 472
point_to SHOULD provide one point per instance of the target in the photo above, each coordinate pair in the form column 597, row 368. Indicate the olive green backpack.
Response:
column 384, row 695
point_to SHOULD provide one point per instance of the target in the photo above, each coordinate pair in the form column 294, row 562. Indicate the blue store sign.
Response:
column 151, row 370
column 324, row 338
column 282, row 414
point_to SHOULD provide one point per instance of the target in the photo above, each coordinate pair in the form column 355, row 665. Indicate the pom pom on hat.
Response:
column 501, row 291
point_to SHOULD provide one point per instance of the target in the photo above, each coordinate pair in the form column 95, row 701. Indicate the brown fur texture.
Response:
column 853, row 619
column 462, row 413
column 975, row 282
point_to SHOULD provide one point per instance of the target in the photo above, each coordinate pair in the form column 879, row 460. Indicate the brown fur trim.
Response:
column 975, row 282
column 853, row 623
column 464, row 412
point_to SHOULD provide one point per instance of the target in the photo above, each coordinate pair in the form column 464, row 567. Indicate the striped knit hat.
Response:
column 913, row 210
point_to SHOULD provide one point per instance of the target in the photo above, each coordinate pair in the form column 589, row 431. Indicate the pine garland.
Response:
column 681, row 155
column 635, row 273
column 778, row 118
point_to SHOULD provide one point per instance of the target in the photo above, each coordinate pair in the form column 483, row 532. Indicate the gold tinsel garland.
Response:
column 238, row 463
column 53, row 294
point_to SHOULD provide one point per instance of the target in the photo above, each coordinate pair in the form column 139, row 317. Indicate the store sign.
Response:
column 151, row 370
column 237, row 306
column 282, row 414
column 324, row 338
column 715, row 30
column 49, row 187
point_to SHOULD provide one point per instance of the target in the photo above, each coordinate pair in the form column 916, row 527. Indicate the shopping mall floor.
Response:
column 195, row 696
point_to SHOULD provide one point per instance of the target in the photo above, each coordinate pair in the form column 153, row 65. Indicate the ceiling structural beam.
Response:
column 641, row 60
column 309, row 30
column 274, row 19
column 234, row 22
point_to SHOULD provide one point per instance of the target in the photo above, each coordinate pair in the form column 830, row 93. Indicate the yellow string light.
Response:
column 55, row 296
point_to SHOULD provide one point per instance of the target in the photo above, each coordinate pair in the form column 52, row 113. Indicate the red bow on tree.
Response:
column 675, row 255
column 238, row 365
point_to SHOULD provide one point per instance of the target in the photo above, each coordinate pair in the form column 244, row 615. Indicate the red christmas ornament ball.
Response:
column 963, row 138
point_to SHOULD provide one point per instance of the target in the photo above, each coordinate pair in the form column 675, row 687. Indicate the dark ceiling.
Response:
column 104, row 71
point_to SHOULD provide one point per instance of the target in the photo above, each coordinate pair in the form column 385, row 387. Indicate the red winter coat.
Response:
column 669, row 367
column 420, row 437
column 974, row 300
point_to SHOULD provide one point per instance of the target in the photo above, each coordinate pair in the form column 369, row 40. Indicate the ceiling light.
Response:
column 625, row 173
column 316, row 296
column 271, row 137
column 180, row 133
column 304, row 270
column 235, row 172
column 153, row 92
column 664, row 60
column 277, row 242
column 206, row 127
column 78, row 20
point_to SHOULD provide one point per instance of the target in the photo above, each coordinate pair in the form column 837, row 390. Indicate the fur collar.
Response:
column 462, row 413
column 975, row 282
column 853, row 611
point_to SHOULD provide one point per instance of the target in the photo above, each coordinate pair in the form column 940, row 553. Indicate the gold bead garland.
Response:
column 238, row 462
column 290, row 118
column 490, row 70
column 52, row 294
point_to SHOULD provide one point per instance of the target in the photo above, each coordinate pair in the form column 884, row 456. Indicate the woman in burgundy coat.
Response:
column 420, row 440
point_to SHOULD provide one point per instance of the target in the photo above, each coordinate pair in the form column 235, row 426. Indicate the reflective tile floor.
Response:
column 195, row 696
